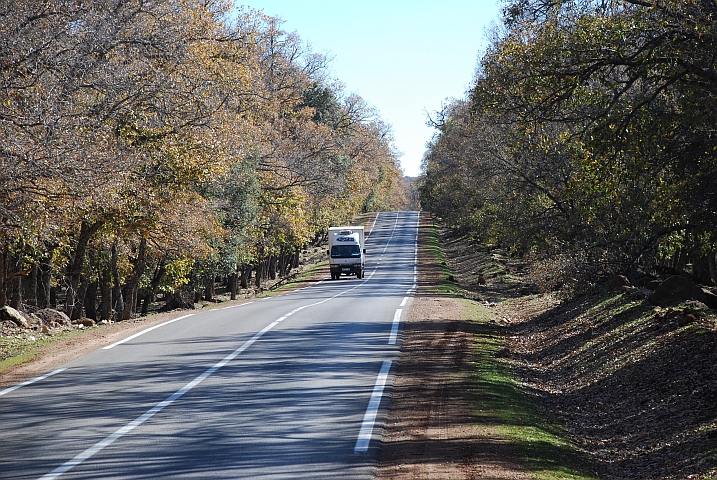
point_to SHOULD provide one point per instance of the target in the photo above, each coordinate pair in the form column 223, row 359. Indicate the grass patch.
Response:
column 302, row 277
column 543, row 447
column 19, row 349
column 431, row 243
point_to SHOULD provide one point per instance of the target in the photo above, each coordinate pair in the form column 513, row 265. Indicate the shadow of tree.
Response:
column 635, row 391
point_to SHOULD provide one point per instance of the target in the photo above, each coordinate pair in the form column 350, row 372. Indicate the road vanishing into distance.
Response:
column 291, row 386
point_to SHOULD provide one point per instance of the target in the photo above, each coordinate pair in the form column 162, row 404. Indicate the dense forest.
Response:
column 587, row 140
column 153, row 146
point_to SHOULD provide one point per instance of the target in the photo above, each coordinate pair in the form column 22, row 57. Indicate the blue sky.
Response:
column 404, row 57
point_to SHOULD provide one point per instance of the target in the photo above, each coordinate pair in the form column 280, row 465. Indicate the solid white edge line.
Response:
column 131, row 337
column 395, row 224
column 238, row 305
column 54, row 372
column 394, row 327
column 364, row 436
column 31, row 381
column 374, row 224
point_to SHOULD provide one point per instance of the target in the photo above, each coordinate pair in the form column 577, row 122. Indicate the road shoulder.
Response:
column 433, row 429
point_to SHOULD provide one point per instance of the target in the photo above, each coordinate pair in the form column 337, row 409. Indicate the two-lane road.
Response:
column 291, row 386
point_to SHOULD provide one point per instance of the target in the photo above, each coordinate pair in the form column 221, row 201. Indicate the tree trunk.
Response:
column 259, row 273
column 15, row 278
column 140, row 264
column 151, row 291
column 3, row 274
column 271, row 267
column 127, row 294
column 29, row 285
column 712, row 262
column 74, row 272
column 91, row 300
column 245, row 276
column 701, row 268
column 209, row 288
column 44, row 285
column 117, row 292
column 81, row 294
column 146, row 301
column 283, row 265
column 106, row 293
column 233, row 283
column 295, row 262
column 15, row 293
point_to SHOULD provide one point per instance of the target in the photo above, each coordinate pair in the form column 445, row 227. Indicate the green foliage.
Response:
column 325, row 104
column 587, row 132
column 177, row 274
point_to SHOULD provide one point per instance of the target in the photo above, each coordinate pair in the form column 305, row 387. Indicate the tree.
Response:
column 593, row 123
column 150, row 140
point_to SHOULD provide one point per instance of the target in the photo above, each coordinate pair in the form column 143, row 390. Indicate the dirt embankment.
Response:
column 433, row 430
column 633, row 386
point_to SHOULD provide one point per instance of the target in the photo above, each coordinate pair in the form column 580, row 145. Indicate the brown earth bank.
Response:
column 634, row 386
column 433, row 430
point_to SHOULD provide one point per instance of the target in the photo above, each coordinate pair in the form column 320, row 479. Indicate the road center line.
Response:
column 373, row 225
column 392, row 233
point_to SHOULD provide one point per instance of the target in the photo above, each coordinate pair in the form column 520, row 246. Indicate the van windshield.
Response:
column 345, row 251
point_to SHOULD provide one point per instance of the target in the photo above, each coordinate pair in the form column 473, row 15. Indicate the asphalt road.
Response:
column 293, row 386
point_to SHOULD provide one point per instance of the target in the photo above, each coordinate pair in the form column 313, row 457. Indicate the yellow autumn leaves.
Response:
column 185, row 124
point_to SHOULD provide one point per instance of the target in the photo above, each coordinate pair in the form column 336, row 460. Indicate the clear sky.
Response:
column 404, row 57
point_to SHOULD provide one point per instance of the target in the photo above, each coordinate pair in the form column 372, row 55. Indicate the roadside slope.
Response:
column 499, row 381
column 434, row 430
